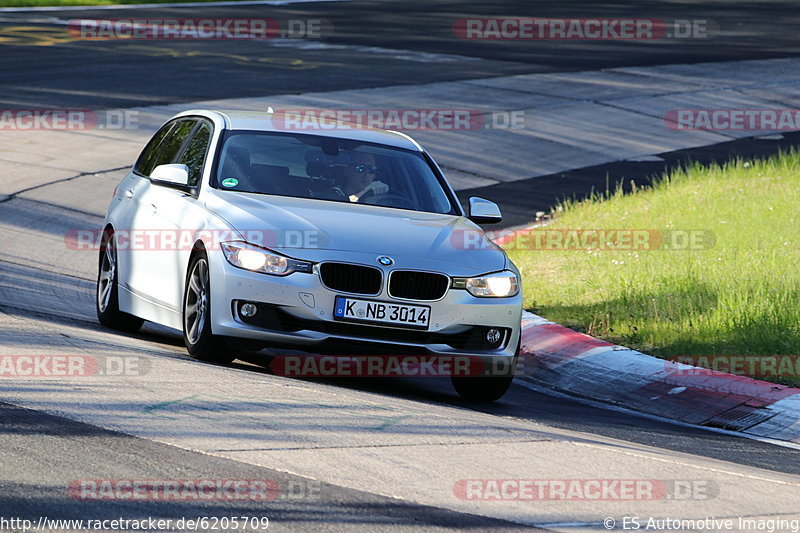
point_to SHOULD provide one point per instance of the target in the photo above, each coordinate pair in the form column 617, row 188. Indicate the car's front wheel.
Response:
column 197, row 336
column 482, row 389
column 107, row 297
column 486, row 388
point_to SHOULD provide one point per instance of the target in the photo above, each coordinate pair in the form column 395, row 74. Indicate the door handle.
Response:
column 155, row 208
column 129, row 193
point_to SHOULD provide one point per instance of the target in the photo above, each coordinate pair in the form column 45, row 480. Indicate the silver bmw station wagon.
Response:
column 239, row 232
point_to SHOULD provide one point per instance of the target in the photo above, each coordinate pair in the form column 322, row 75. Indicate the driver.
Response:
column 359, row 177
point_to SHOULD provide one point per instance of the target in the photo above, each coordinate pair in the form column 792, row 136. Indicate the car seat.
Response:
column 271, row 179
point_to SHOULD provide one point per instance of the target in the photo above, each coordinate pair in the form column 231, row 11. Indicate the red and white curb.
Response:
column 564, row 360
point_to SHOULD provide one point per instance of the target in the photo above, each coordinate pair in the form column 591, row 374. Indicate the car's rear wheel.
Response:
column 107, row 294
column 485, row 388
column 197, row 336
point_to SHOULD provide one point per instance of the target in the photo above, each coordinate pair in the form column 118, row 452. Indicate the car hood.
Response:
column 318, row 230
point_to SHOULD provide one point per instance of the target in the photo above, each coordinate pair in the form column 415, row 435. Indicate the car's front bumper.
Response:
column 297, row 311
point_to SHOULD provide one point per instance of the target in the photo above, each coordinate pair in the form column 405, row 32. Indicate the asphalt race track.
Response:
column 181, row 419
column 43, row 66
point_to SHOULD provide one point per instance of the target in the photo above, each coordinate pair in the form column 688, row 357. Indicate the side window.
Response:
column 147, row 160
column 195, row 153
column 173, row 144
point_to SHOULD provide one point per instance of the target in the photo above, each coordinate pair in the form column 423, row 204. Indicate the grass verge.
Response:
column 734, row 291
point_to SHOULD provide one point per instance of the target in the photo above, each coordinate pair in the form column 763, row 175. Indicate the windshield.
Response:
column 326, row 168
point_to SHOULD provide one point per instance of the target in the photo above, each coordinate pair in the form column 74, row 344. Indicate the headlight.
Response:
column 249, row 257
column 498, row 285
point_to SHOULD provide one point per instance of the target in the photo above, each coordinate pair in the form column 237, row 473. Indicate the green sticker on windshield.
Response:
column 230, row 182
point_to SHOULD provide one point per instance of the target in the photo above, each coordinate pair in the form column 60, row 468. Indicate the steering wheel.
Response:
column 387, row 200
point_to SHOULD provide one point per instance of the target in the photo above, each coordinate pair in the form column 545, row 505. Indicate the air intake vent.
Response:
column 351, row 278
column 412, row 285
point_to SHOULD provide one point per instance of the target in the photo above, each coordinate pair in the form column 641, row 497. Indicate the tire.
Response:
column 107, row 292
column 196, row 315
column 485, row 388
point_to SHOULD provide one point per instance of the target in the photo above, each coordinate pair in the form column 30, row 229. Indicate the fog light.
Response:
column 248, row 310
column 493, row 336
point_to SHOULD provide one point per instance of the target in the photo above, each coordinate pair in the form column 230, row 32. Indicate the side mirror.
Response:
column 175, row 175
column 483, row 211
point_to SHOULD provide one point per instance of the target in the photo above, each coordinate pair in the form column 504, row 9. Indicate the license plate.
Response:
column 357, row 310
